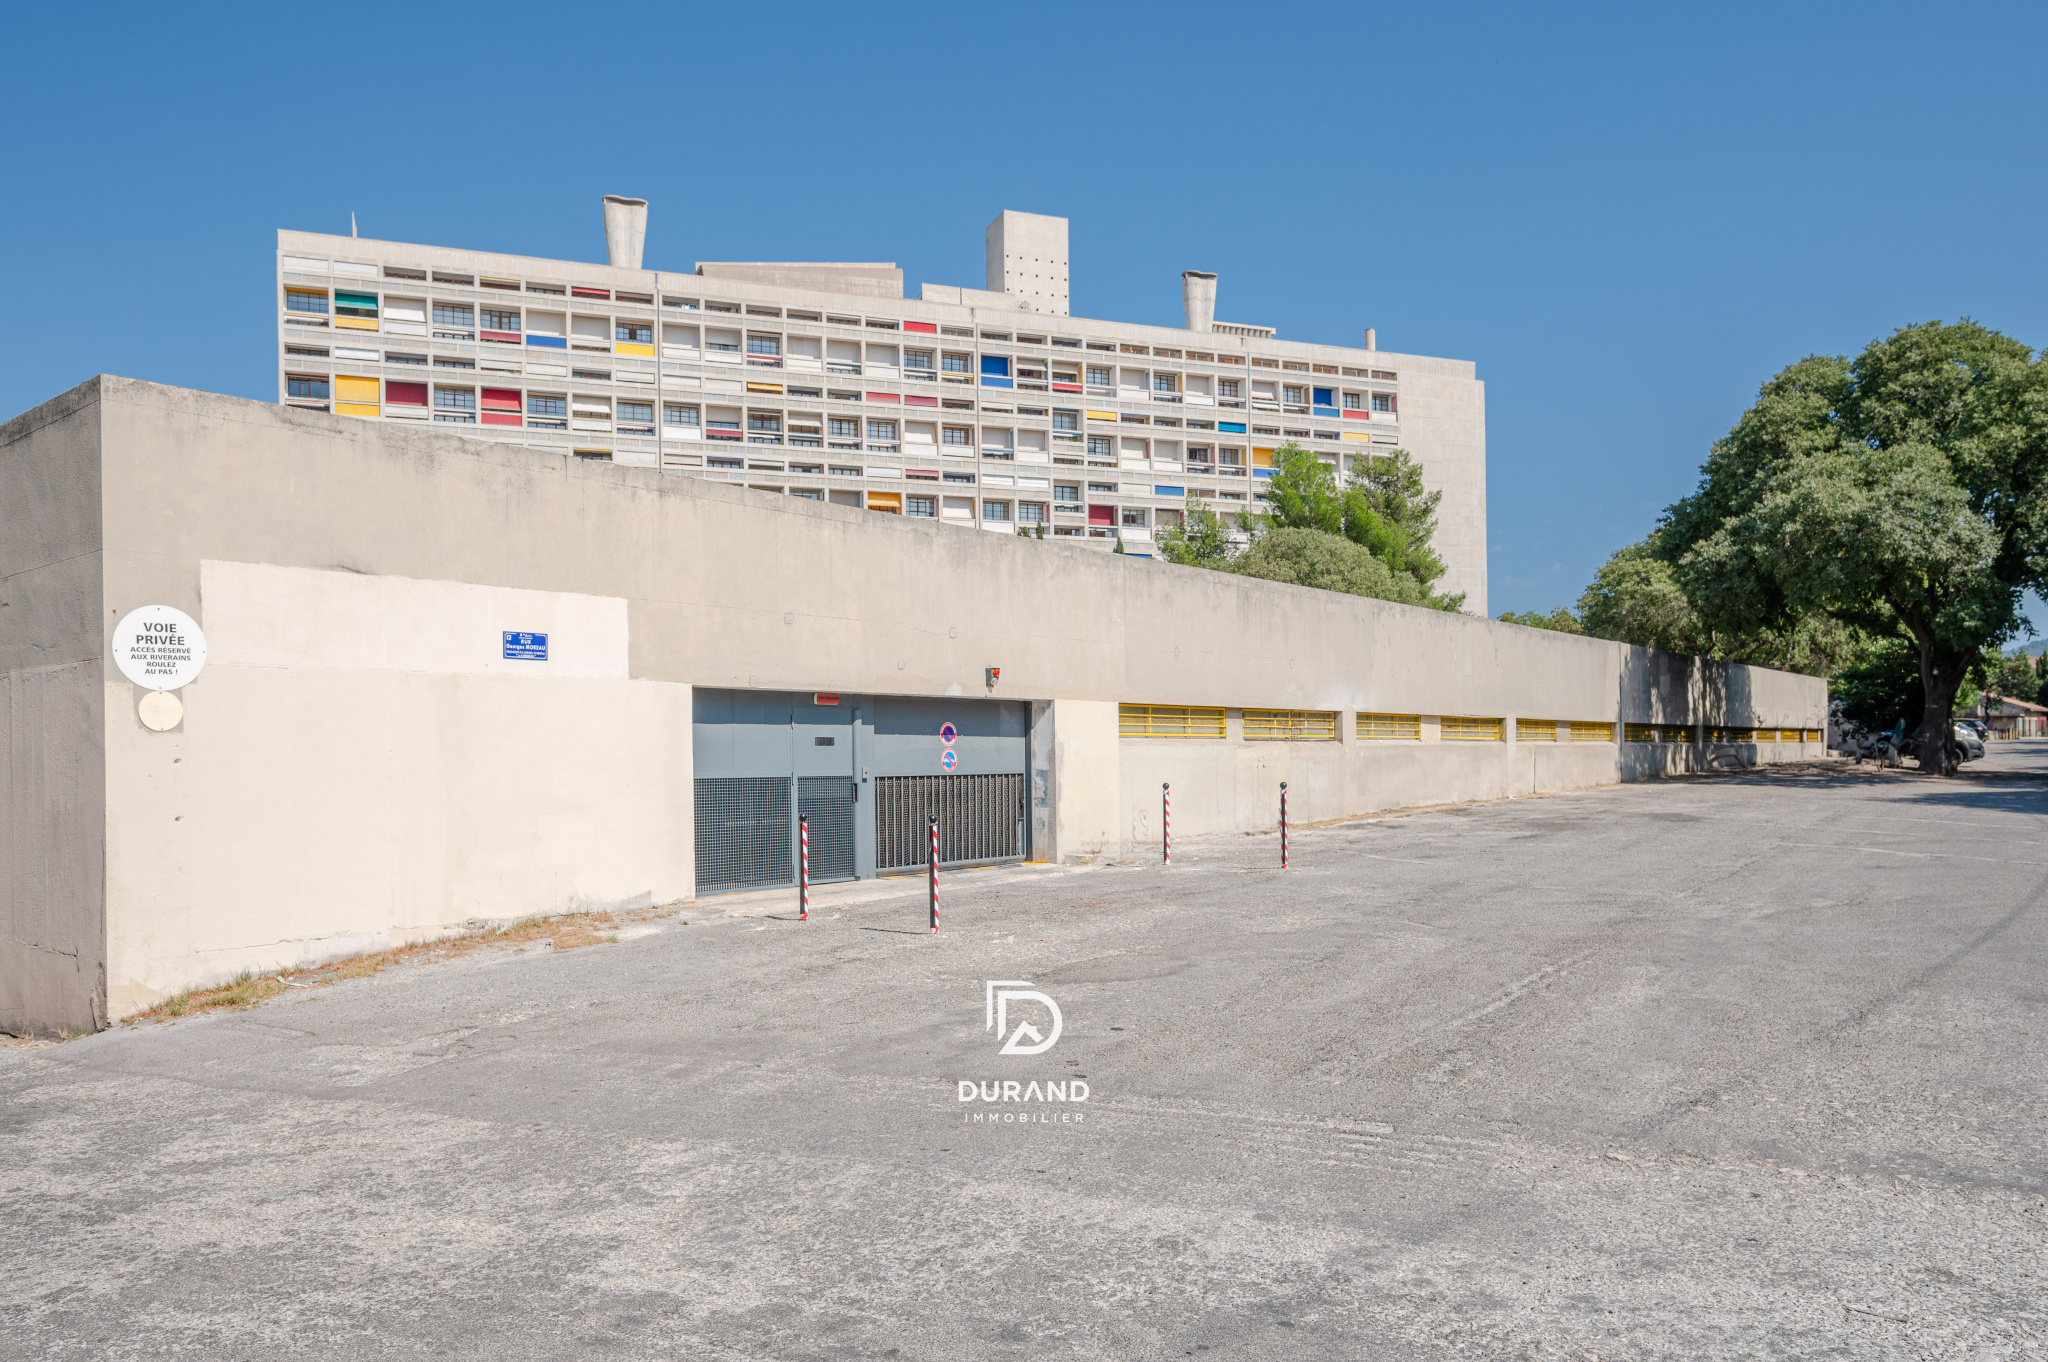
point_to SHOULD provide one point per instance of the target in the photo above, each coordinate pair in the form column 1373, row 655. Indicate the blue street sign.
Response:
column 525, row 647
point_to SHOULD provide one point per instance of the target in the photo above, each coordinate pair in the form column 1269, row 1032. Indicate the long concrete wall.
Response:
column 358, row 765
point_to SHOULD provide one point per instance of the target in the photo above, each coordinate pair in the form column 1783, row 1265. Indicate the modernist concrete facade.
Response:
column 360, row 764
column 989, row 407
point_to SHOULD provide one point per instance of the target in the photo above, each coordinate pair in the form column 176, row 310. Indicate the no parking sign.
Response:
column 950, row 759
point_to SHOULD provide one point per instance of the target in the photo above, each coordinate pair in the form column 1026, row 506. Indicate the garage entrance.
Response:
column 866, row 771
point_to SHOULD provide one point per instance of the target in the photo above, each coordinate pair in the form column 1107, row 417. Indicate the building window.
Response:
column 1229, row 387
column 1382, row 402
column 922, row 506
column 679, row 416
column 1134, row 516
column 1165, row 383
column 500, row 319
column 537, row 405
column 455, row 399
column 635, row 333
column 304, row 385
column 1066, row 491
column 918, row 359
column 997, row 511
column 953, row 364
column 636, row 411
column 881, row 430
column 1030, row 513
column 1098, row 378
column 450, row 314
column 759, row 423
column 1351, row 400
column 843, row 428
column 302, row 300
column 957, row 435
column 1101, row 447
column 1066, row 420
column 763, row 345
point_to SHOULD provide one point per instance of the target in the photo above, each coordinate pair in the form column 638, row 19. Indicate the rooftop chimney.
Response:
column 625, row 230
column 1198, row 296
column 1372, row 339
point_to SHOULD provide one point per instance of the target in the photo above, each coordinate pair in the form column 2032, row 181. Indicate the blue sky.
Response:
column 1628, row 217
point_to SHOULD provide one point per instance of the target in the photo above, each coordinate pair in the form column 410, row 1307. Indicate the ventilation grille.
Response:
column 1390, row 726
column 1535, row 730
column 981, row 818
column 1585, row 732
column 1290, row 725
column 1457, row 728
column 1169, row 721
column 743, row 833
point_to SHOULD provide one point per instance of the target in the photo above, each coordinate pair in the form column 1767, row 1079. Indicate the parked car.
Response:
column 1969, row 747
column 1977, row 726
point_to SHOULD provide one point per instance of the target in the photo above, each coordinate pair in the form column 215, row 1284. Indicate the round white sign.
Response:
column 159, row 647
column 160, row 711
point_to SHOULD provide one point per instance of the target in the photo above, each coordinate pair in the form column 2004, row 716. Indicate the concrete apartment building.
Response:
column 987, row 407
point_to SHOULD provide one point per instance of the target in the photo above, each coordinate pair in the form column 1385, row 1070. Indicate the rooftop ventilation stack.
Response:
column 1198, row 296
column 625, row 230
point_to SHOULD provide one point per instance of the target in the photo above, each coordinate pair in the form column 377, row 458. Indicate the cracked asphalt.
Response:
column 1733, row 1066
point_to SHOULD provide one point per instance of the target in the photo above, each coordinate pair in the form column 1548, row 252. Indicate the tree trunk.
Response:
column 1940, row 681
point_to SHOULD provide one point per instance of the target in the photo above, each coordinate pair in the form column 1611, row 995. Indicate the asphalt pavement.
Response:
column 1746, row 1065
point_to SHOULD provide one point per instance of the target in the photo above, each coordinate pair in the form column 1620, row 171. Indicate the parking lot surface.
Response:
column 1744, row 1065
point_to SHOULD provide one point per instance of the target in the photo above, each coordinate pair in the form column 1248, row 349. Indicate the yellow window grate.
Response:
column 1810, row 734
column 1457, row 728
column 1394, row 727
column 1674, row 733
column 1169, row 721
column 1290, row 725
column 1637, row 732
column 1535, row 730
column 1585, row 732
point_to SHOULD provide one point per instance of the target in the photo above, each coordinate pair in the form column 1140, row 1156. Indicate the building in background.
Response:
column 989, row 407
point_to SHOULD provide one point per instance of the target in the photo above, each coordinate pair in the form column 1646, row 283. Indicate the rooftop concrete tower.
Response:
column 1027, row 257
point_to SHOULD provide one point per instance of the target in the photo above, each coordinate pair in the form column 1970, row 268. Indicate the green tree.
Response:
column 1635, row 598
column 1202, row 539
column 2016, row 678
column 1331, row 562
column 1390, row 512
column 1382, row 507
column 1899, row 493
column 1561, row 620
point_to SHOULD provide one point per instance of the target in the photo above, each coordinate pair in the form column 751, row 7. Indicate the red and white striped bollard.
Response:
column 803, row 866
column 935, row 874
column 1165, row 823
column 1283, row 825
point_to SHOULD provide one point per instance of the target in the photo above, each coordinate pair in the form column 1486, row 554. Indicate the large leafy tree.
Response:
column 1635, row 598
column 1899, row 493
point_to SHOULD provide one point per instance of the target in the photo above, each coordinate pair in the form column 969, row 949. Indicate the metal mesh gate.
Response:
column 743, row 832
column 828, row 802
column 981, row 818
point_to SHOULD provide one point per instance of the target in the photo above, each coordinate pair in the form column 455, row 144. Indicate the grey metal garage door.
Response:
column 981, row 818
